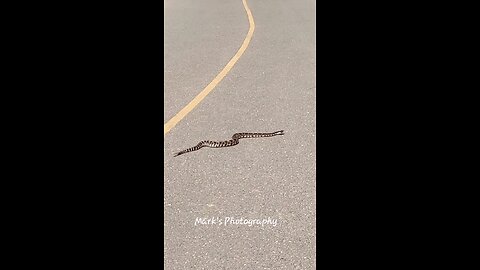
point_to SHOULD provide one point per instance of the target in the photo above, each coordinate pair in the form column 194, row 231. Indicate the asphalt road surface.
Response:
column 263, row 180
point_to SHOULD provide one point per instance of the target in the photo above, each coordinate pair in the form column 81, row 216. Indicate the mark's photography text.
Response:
column 235, row 221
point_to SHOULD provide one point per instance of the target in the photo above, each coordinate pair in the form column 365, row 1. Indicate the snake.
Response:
column 234, row 141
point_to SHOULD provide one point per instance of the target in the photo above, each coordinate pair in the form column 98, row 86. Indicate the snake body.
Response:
column 234, row 141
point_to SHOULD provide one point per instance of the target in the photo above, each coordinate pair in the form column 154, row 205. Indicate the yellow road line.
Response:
column 180, row 115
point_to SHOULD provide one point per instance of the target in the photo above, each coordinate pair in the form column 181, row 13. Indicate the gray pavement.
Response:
column 272, row 87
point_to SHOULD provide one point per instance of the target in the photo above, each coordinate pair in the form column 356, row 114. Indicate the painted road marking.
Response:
column 180, row 115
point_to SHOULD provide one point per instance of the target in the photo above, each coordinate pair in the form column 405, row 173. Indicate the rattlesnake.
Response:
column 232, row 142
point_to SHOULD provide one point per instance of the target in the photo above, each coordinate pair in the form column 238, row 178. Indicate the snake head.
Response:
column 279, row 132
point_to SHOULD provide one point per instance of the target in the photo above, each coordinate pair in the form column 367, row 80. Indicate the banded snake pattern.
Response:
column 234, row 141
